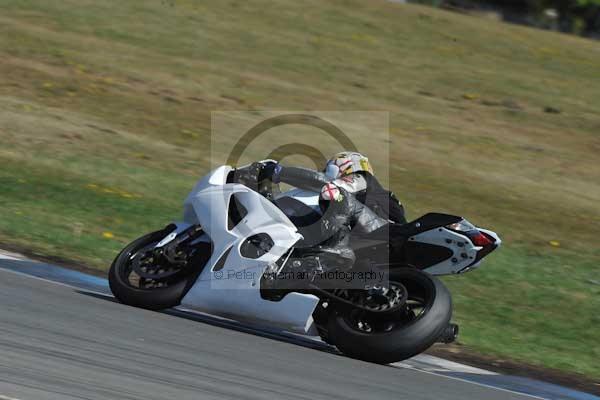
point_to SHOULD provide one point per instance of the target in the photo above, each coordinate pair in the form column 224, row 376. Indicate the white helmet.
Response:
column 346, row 163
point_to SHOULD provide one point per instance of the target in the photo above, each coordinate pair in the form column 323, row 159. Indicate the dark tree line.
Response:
column 571, row 16
column 571, row 10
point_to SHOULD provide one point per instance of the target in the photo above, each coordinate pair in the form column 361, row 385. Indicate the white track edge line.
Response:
column 54, row 282
column 4, row 256
column 471, row 382
column 3, row 397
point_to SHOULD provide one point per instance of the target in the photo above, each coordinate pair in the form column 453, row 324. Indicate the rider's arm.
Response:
column 257, row 173
column 299, row 177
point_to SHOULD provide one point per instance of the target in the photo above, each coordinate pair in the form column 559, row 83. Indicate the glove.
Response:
column 260, row 176
column 248, row 175
column 270, row 170
column 267, row 170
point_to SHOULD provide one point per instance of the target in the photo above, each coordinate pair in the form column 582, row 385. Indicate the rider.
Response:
column 352, row 172
column 350, row 197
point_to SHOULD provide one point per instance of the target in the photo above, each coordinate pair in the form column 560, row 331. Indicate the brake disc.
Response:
column 385, row 299
column 150, row 265
column 381, row 300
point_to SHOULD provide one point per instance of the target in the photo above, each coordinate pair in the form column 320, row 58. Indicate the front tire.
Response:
column 127, row 293
column 408, row 338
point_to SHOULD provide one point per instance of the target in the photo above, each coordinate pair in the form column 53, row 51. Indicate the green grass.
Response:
column 105, row 125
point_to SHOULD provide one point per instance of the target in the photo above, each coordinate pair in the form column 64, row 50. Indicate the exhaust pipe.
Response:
column 449, row 335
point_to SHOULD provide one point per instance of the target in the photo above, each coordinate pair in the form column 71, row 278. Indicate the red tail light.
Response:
column 479, row 239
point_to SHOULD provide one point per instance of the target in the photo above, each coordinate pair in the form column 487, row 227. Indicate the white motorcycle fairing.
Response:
column 229, row 285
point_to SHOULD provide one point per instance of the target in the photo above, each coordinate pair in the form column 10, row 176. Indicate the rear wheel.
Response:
column 385, row 338
column 140, row 278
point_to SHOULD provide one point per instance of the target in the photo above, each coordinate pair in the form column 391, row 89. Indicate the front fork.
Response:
column 181, row 234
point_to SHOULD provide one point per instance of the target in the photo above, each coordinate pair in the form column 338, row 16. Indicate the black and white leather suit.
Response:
column 360, row 203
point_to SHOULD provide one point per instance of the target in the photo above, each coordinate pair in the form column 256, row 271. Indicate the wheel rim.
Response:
column 143, row 270
column 420, row 298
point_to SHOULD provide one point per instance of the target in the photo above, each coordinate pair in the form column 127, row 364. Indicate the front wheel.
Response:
column 384, row 339
column 138, row 279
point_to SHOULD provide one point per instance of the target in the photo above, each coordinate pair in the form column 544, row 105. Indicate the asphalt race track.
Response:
column 61, row 342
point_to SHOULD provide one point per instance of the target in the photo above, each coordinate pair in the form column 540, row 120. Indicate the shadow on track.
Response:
column 261, row 331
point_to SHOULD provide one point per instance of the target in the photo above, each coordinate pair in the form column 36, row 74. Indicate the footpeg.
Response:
column 449, row 335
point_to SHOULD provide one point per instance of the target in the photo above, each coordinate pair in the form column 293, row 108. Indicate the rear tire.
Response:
column 151, row 299
column 401, row 342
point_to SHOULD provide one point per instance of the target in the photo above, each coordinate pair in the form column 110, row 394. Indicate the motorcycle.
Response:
column 234, row 244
